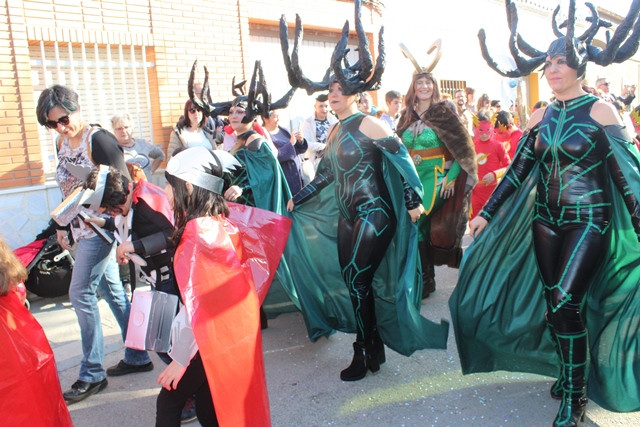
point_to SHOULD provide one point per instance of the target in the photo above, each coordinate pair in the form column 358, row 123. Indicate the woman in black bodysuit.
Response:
column 367, row 222
column 567, row 150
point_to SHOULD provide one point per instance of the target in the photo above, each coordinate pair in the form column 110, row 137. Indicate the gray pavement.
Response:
column 426, row 389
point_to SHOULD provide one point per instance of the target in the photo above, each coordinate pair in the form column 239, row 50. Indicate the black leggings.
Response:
column 568, row 257
column 194, row 382
column 361, row 248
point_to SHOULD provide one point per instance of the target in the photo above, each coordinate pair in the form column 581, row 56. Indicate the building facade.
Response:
column 136, row 55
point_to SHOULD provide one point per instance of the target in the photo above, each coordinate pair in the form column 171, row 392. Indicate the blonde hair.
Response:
column 12, row 271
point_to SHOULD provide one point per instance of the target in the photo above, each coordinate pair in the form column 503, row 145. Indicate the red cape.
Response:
column 29, row 380
column 153, row 196
column 219, row 263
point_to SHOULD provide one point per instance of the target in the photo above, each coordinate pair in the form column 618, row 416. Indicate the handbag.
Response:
column 150, row 320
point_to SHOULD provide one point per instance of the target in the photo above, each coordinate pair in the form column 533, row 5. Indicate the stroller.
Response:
column 49, row 267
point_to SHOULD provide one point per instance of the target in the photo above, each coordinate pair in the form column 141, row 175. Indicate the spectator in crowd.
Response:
column 136, row 150
column 628, row 95
column 603, row 85
column 484, row 102
column 507, row 132
column 315, row 128
column 495, row 106
column 466, row 116
column 95, row 270
column 538, row 105
column 470, row 94
column 365, row 104
column 289, row 146
column 191, row 131
column 393, row 99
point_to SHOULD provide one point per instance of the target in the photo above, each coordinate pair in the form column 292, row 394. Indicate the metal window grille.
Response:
column 107, row 78
column 450, row 86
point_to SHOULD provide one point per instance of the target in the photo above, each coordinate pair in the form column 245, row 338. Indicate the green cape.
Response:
column 271, row 192
column 498, row 305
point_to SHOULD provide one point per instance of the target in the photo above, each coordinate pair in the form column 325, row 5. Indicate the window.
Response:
column 107, row 78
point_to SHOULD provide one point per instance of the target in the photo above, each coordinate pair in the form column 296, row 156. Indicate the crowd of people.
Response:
column 381, row 195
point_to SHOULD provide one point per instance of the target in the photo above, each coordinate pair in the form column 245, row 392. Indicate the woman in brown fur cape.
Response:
column 445, row 159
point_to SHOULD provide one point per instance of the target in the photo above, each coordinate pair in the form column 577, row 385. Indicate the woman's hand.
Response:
column 62, row 236
column 171, row 376
column 488, row 178
column 297, row 137
column 476, row 226
column 233, row 193
column 122, row 250
column 447, row 188
column 416, row 213
column 290, row 205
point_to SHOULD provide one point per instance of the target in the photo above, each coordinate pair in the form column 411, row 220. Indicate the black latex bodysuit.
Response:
column 572, row 211
column 367, row 221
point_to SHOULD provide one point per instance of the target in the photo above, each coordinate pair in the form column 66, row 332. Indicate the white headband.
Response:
column 195, row 165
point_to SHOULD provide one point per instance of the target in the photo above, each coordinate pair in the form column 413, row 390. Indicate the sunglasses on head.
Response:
column 53, row 124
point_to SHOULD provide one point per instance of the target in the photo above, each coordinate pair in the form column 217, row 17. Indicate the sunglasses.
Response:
column 193, row 110
column 53, row 124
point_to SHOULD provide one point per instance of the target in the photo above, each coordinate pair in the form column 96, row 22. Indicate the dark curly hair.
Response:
column 116, row 188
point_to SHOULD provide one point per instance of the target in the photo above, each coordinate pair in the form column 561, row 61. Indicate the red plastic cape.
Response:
column 219, row 263
column 153, row 196
column 29, row 383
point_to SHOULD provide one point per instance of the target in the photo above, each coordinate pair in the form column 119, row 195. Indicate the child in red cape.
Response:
column 28, row 379
column 222, row 291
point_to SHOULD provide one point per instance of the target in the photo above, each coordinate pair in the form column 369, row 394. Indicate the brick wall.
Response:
column 175, row 33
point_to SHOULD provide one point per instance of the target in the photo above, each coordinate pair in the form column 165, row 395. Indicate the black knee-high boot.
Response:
column 573, row 353
column 556, row 388
column 428, row 270
column 368, row 350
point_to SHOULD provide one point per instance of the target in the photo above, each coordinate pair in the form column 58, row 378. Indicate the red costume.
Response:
column 492, row 158
column 509, row 139
column 29, row 381
column 219, row 264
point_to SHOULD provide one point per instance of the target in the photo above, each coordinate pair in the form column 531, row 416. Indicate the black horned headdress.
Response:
column 353, row 78
column 578, row 50
column 256, row 101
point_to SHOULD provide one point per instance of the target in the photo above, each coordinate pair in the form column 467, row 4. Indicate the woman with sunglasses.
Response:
column 191, row 131
column 95, row 268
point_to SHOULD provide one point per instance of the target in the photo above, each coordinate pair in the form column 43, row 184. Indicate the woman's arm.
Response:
column 156, row 242
column 105, row 150
column 324, row 176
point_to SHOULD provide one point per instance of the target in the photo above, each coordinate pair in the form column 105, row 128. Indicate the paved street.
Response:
column 426, row 389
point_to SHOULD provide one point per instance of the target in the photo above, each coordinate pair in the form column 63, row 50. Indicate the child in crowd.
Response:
column 507, row 132
column 393, row 99
column 492, row 161
column 30, row 384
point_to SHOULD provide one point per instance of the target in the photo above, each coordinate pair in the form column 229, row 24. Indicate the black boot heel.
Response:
column 571, row 413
